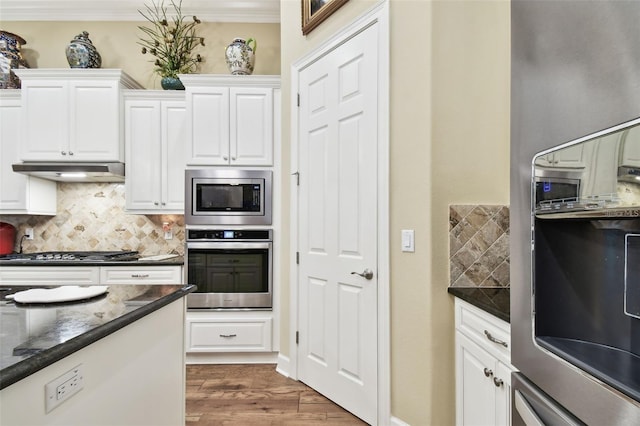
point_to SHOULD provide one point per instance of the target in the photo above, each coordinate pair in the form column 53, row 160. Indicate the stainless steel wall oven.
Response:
column 232, row 268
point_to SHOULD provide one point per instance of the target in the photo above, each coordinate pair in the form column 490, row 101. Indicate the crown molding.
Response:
column 251, row 11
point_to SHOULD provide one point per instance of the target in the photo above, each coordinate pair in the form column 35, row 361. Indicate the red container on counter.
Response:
column 7, row 237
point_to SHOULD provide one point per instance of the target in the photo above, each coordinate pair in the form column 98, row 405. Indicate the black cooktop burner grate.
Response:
column 73, row 256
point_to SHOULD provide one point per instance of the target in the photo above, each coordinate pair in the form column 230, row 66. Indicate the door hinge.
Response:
column 298, row 99
column 297, row 337
column 297, row 175
column 297, row 258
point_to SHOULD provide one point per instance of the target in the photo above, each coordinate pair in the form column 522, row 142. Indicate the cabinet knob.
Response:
column 497, row 382
column 155, row 203
column 488, row 372
column 225, row 158
column 233, row 158
column 70, row 152
column 63, row 152
column 164, row 204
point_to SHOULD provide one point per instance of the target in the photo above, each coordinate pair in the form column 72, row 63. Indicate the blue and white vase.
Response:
column 240, row 56
column 81, row 53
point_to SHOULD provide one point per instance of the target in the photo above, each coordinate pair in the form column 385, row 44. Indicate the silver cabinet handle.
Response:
column 367, row 273
column 228, row 335
column 494, row 340
column 497, row 382
column 488, row 372
column 139, row 275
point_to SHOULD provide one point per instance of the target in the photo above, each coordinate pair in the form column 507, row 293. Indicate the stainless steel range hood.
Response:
column 73, row 172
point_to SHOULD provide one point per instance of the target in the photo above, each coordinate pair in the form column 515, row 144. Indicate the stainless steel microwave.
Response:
column 217, row 196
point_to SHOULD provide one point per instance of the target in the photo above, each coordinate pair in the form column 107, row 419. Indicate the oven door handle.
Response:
column 227, row 245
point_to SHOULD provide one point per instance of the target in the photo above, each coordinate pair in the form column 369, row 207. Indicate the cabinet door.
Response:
column 631, row 148
column 251, row 115
column 94, row 120
column 144, row 155
column 19, row 194
column 570, row 157
column 208, row 137
column 45, row 120
column 475, row 391
column 173, row 131
column 502, row 381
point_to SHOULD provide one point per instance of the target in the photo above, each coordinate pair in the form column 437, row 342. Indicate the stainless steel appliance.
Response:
column 232, row 268
column 217, row 196
column 573, row 264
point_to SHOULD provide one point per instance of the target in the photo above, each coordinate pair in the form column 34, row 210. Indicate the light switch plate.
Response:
column 408, row 240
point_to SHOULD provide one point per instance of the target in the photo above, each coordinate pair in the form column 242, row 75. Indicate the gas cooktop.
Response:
column 73, row 256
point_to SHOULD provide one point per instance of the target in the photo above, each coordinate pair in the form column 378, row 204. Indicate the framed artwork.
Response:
column 316, row 11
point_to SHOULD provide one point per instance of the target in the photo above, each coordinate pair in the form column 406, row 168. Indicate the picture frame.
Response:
column 316, row 11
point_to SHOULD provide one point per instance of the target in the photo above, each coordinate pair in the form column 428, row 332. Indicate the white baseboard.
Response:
column 232, row 358
column 283, row 365
column 394, row 421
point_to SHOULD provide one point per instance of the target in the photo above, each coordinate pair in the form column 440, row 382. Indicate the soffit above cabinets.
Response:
column 256, row 11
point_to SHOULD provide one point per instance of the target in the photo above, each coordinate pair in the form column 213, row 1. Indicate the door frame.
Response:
column 378, row 15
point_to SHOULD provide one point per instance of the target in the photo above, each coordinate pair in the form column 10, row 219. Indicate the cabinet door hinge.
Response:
column 297, row 175
column 297, row 258
column 297, row 337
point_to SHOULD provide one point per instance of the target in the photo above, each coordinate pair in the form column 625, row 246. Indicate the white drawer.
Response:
column 49, row 275
column 489, row 331
column 110, row 275
column 250, row 335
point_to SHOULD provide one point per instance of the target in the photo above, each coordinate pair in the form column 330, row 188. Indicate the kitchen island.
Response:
column 127, row 344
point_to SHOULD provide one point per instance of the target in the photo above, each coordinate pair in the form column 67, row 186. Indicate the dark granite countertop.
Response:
column 33, row 337
column 168, row 262
column 492, row 300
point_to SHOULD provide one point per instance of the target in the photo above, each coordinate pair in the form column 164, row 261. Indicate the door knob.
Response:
column 367, row 273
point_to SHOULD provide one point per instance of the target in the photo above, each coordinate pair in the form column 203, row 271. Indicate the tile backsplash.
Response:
column 479, row 245
column 91, row 216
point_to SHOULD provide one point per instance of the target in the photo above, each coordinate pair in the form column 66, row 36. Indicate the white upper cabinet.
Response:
column 231, row 119
column 19, row 194
column 73, row 114
column 155, row 127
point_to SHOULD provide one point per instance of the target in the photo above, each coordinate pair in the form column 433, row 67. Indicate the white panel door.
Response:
column 337, row 352
column 251, row 128
column 208, row 126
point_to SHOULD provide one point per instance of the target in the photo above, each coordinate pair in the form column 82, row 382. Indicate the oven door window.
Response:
column 214, row 197
column 229, row 271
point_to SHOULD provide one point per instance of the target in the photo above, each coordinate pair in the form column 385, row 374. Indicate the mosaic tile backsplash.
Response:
column 91, row 216
column 479, row 245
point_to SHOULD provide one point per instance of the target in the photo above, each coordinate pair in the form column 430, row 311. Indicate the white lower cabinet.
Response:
column 229, row 331
column 140, row 275
column 91, row 275
column 483, row 367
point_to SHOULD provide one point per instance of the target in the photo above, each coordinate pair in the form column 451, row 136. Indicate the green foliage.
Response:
column 171, row 40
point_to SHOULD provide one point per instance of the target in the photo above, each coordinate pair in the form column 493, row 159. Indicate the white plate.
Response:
column 67, row 293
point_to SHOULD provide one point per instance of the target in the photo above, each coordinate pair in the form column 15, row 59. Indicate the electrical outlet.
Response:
column 28, row 233
column 64, row 387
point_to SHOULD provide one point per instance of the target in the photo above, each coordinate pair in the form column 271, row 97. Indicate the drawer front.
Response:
column 140, row 275
column 485, row 329
column 49, row 275
column 238, row 336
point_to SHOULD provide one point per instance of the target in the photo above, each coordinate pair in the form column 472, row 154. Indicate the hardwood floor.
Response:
column 256, row 395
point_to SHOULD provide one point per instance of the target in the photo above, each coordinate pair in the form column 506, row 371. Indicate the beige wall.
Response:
column 117, row 44
column 449, row 145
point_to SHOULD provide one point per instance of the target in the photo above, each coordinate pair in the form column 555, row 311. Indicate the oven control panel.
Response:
column 229, row 234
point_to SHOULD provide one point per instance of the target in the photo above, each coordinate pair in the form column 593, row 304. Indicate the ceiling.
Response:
column 258, row 11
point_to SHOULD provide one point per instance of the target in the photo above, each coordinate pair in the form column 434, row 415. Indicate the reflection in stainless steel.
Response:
column 598, row 177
